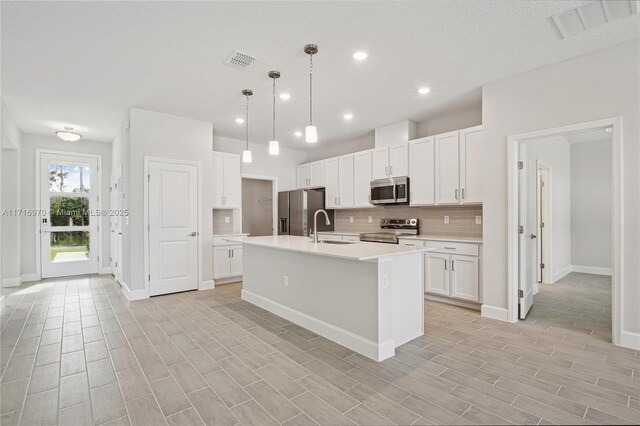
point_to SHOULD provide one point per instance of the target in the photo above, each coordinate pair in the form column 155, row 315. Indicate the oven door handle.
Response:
column 395, row 192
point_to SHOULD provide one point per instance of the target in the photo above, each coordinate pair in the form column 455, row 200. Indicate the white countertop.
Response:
column 356, row 251
column 426, row 237
column 228, row 239
column 355, row 234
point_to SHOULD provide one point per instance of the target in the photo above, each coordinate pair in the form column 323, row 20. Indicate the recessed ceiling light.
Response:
column 68, row 135
column 348, row 116
column 285, row 96
column 239, row 120
column 298, row 134
column 424, row 90
column 360, row 56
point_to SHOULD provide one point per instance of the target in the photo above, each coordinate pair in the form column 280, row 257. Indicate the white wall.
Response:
column 601, row 84
column 591, row 208
column 167, row 136
column 282, row 166
column 28, row 191
column 450, row 122
column 555, row 153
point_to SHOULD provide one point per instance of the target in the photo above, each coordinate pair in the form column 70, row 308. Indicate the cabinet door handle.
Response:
column 456, row 194
column 228, row 253
column 450, row 248
column 463, row 194
column 452, row 265
column 390, row 170
column 445, row 264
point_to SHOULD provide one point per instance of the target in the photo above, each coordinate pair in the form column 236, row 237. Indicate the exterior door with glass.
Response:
column 69, row 188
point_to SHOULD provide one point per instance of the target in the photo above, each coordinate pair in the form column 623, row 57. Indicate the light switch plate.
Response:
column 285, row 280
column 446, row 219
column 226, row 219
column 370, row 219
column 478, row 220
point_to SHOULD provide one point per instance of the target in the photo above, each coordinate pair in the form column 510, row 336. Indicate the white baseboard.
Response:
column 561, row 273
column 629, row 339
column 591, row 270
column 227, row 280
column 132, row 295
column 451, row 301
column 12, row 282
column 206, row 285
column 32, row 276
column 105, row 270
column 366, row 347
column 494, row 312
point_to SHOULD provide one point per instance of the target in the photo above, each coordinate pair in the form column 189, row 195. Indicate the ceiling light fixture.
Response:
column 68, row 135
column 274, row 146
column 311, row 132
column 285, row 96
column 298, row 134
column 246, row 154
column 348, row 116
column 239, row 120
column 360, row 56
column 424, row 90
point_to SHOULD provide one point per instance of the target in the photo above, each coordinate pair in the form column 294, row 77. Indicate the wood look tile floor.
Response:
column 76, row 352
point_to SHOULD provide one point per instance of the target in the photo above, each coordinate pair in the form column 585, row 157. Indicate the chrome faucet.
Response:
column 315, row 224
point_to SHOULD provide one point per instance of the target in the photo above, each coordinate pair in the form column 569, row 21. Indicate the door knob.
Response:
column 193, row 234
column 533, row 236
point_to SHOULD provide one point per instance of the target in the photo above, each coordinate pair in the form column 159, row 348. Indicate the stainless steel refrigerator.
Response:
column 296, row 209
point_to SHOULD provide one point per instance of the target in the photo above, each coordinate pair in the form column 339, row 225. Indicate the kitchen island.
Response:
column 365, row 296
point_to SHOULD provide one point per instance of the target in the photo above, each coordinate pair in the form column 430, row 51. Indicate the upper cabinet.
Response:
column 226, row 181
column 392, row 161
column 458, row 167
column 421, row 172
column 310, row 175
column 339, row 177
column 362, row 178
column 471, row 165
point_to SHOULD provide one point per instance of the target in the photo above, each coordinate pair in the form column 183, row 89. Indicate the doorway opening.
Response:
column 564, row 246
column 68, row 199
column 258, row 208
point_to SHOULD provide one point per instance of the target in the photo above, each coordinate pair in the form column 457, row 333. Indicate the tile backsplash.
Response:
column 462, row 219
column 219, row 226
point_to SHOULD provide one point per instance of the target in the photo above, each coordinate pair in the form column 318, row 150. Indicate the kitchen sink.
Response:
column 336, row 242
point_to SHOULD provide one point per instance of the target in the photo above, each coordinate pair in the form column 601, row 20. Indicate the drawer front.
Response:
column 453, row 248
column 411, row 242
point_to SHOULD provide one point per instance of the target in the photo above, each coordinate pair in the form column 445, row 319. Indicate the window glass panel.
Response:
column 69, row 211
column 66, row 178
column 69, row 246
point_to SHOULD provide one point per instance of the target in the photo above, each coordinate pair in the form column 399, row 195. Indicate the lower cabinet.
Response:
column 227, row 261
column 452, row 276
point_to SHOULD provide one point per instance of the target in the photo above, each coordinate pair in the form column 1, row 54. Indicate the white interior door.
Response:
column 527, row 243
column 69, row 226
column 116, row 212
column 173, row 227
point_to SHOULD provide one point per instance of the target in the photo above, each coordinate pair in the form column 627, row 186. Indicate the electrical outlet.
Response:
column 350, row 219
column 285, row 280
column 446, row 219
column 478, row 220
column 370, row 219
column 226, row 219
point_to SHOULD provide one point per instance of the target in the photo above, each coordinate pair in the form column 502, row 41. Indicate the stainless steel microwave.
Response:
column 390, row 191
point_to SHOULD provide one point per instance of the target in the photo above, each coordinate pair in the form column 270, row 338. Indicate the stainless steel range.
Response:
column 392, row 230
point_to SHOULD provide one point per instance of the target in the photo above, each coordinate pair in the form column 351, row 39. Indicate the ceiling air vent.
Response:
column 239, row 60
column 590, row 15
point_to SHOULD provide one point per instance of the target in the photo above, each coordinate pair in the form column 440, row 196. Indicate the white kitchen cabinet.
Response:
column 447, row 179
column 345, row 181
column 303, row 176
column 464, row 277
column 391, row 161
column 227, row 261
column 436, row 273
column 422, row 172
column 471, row 165
column 226, row 181
column 316, row 174
column 362, row 178
column 332, row 182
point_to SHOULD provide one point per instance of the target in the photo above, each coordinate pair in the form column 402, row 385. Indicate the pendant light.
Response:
column 311, row 132
column 274, row 145
column 246, row 154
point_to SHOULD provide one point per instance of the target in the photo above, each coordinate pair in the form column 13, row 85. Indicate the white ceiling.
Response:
column 84, row 63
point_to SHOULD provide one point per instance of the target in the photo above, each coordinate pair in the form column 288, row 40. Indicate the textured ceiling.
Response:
column 85, row 63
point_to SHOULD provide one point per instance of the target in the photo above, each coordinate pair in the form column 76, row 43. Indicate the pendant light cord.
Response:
column 311, row 89
column 274, row 109
column 247, row 127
